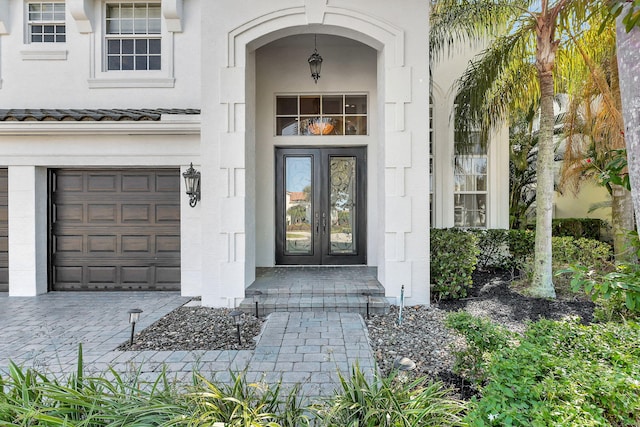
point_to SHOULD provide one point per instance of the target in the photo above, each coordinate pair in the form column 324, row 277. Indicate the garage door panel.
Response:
column 68, row 213
column 167, row 275
column 136, row 244
column 104, row 274
column 102, row 244
column 139, row 274
column 70, row 182
column 136, row 183
column 167, row 213
column 70, row 275
column 168, row 244
column 102, row 213
column 101, row 182
column 136, row 213
column 166, row 183
column 68, row 243
column 119, row 233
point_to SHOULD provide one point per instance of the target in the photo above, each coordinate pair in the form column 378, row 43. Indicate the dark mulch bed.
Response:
column 495, row 286
column 492, row 297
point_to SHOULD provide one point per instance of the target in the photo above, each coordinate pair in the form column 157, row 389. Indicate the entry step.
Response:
column 338, row 303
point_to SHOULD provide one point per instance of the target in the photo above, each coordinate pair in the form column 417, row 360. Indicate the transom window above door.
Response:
column 321, row 115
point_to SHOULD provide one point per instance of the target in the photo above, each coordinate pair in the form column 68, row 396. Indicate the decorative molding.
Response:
column 4, row 17
column 172, row 12
column 104, row 83
column 315, row 10
column 163, row 127
column 44, row 55
column 81, row 11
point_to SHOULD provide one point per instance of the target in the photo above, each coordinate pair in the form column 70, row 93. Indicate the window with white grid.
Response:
column 133, row 36
column 46, row 22
column 470, row 188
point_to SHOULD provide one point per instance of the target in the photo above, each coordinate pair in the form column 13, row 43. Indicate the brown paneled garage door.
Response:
column 115, row 229
column 4, row 232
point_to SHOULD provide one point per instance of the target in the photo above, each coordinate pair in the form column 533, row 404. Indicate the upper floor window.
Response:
column 321, row 115
column 133, row 36
column 46, row 22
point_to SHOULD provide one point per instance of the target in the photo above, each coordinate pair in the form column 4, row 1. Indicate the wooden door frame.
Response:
column 321, row 254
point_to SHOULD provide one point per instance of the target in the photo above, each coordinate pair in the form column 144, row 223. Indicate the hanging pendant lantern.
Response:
column 315, row 61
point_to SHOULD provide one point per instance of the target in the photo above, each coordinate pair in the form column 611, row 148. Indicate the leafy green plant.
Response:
column 521, row 245
column 483, row 337
column 493, row 245
column 588, row 228
column 392, row 401
column 244, row 404
column 588, row 252
column 622, row 283
column 30, row 398
column 453, row 259
column 564, row 374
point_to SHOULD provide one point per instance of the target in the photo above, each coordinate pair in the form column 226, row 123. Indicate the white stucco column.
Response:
column 190, row 242
column 27, row 230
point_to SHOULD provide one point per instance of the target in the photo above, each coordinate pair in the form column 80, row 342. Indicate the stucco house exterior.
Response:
column 104, row 104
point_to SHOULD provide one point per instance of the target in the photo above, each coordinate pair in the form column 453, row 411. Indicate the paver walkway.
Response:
column 295, row 347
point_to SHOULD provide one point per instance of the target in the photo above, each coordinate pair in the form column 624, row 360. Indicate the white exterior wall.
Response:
column 445, row 74
column 70, row 75
column 231, row 137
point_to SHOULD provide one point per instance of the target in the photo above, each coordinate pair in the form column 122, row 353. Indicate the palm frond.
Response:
column 469, row 21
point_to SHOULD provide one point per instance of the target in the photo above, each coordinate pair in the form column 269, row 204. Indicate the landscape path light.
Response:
column 134, row 316
column 236, row 314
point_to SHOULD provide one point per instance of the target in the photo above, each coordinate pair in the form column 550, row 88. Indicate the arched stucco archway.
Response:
column 228, row 139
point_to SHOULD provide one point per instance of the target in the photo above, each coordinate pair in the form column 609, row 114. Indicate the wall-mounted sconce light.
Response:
column 315, row 61
column 134, row 316
column 192, row 182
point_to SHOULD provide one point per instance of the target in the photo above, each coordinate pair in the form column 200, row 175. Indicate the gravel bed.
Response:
column 421, row 337
column 197, row 328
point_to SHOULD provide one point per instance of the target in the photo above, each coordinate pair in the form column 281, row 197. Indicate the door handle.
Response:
column 324, row 223
column 317, row 223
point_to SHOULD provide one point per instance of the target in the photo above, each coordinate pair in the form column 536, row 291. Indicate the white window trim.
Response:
column 366, row 115
column 100, row 78
column 43, row 51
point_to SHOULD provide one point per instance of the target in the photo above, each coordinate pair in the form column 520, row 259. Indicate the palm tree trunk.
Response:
column 622, row 222
column 542, row 283
column 546, row 47
column 628, row 44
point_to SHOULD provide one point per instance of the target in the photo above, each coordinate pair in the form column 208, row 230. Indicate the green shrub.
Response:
column 623, row 283
column 521, row 247
column 588, row 252
column 494, row 248
column 588, row 228
column 389, row 401
column 564, row 374
column 483, row 337
column 453, row 259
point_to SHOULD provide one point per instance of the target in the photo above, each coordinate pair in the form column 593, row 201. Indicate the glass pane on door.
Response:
column 342, row 209
column 298, row 205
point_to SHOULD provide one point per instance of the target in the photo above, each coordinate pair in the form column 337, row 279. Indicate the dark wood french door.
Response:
column 321, row 206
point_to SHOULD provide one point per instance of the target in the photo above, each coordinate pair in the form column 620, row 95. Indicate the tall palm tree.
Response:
column 594, row 124
column 517, row 66
column 628, row 43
